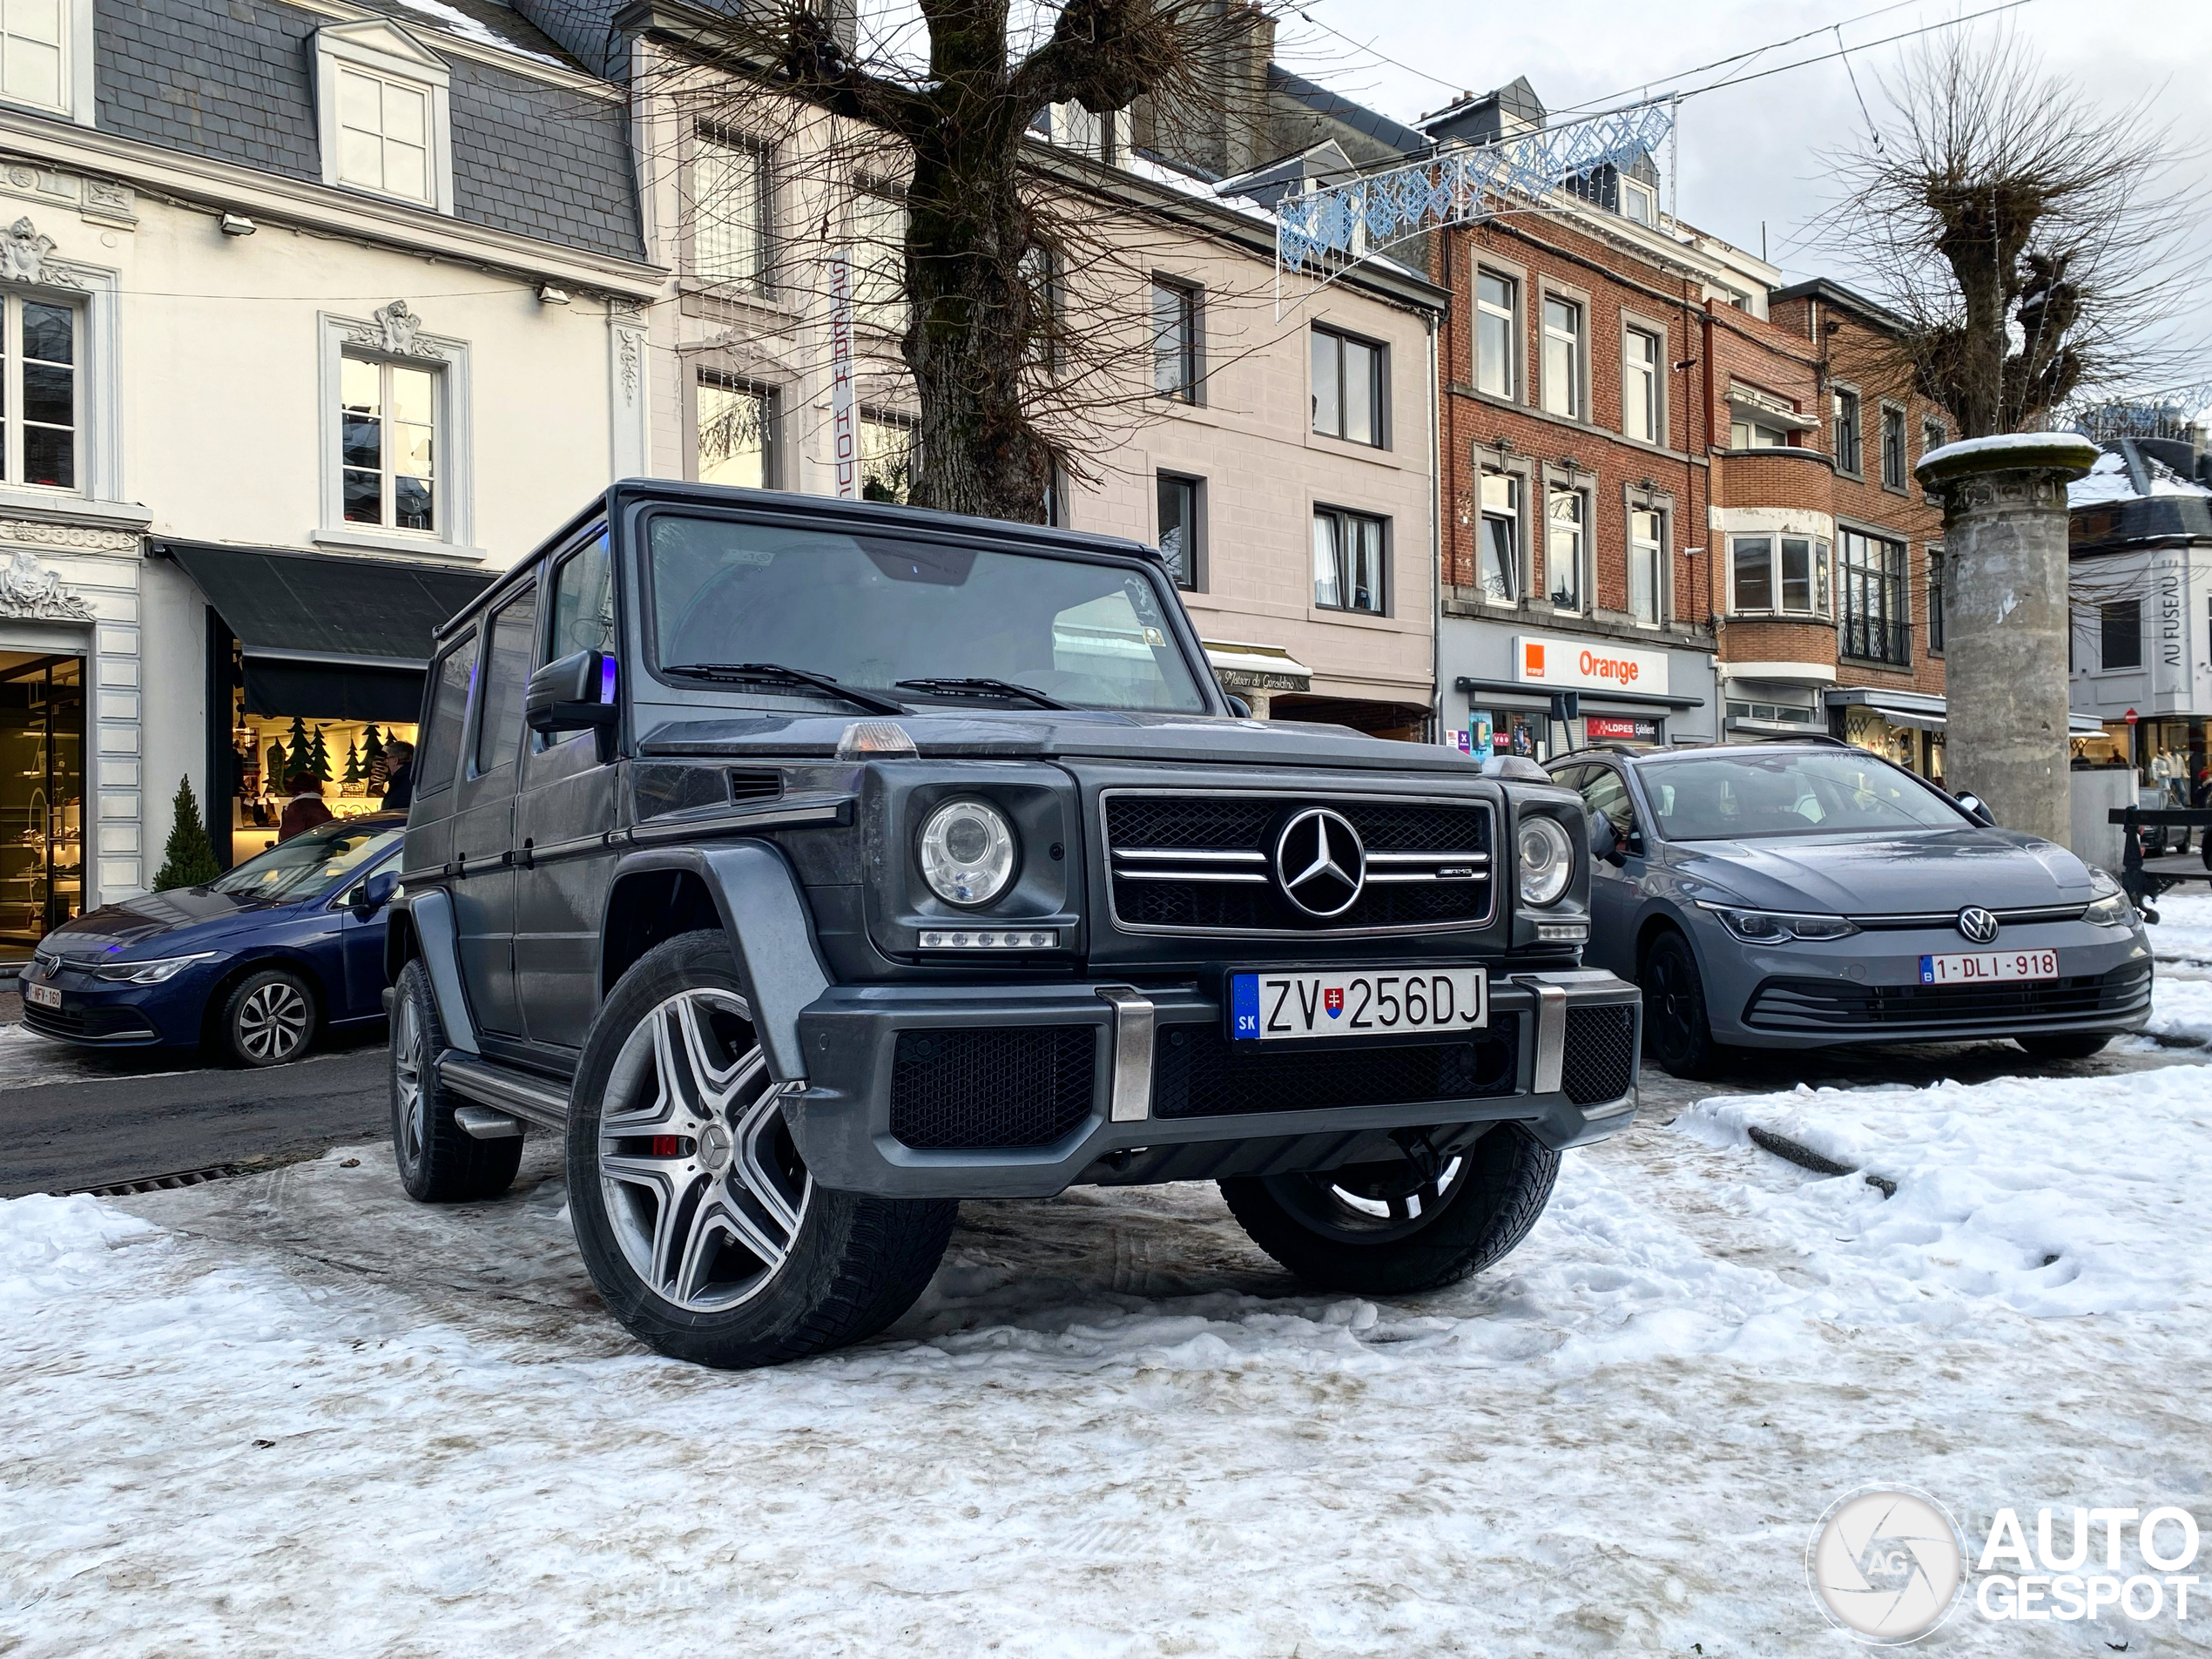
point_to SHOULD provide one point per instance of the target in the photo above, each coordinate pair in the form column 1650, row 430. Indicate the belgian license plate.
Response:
column 2002, row 964
column 1269, row 1007
column 45, row 996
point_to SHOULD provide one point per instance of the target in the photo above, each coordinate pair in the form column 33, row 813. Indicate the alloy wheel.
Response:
column 272, row 1022
column 407, row 1078
column 702, row 1186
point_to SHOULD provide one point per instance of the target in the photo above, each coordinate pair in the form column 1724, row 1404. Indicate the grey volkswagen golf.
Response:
column 1809, row 893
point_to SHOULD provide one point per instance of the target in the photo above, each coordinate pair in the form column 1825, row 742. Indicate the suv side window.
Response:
column 580, row 603
column 449, row 679
column 499, row 705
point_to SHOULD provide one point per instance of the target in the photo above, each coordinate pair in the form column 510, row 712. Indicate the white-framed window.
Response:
column 1498, row 554
column 733, row 221
column 396, row 451
column 46, row 56
column 736, row 431
column 1750, row 434
column 880, row 258
column 384, row 120
column 1495, row 307
column 1349, row 549
column 1563, row 370
column 1639, row 202
column 1566, row 530
column 41, row 346
column 389, row 419
column 1786, row 575
column 1640, row 407
column 888, row 454
column 1647, row 565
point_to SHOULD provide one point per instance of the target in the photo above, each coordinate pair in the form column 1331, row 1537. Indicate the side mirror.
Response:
column 1976, row 811
column 570, row 695
column 1605, row 841
column 1238, row 706
column 373, row 895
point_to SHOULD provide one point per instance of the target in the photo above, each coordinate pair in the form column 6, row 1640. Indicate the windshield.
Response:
column 310, row 860
column 1752, row 796
column 871, row 610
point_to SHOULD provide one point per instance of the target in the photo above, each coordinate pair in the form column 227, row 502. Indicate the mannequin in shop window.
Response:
column 304, row 810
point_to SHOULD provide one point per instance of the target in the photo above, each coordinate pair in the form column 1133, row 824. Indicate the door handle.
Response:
column 528, row 860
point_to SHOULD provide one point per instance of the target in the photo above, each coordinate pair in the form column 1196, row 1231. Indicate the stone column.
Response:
column 2005, row 622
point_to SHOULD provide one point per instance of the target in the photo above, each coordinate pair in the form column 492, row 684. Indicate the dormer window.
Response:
column 1639, row 202
column 46, row 57
column 381, row 99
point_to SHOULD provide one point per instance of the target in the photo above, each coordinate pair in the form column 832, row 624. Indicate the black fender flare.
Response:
column 770, row 929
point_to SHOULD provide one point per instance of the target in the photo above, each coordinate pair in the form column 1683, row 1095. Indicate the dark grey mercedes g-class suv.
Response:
column 812, row 866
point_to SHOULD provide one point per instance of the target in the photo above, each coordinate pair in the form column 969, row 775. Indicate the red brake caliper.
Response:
column 666, row 1146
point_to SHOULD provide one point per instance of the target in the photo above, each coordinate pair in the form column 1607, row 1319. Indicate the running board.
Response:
column 484, row 1124
column 540, row 1100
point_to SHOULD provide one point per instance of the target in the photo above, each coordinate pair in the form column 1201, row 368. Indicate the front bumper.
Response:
column 1867, row 987
column 100, row 1013
column 960, row 1092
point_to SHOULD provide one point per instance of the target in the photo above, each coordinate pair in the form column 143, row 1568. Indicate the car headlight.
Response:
column 1547, row 860
column 1776, row 926
column 967, row 851
column 149, row 972
column 2111, row 907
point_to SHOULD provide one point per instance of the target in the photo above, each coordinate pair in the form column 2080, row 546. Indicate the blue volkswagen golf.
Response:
column 250, row 967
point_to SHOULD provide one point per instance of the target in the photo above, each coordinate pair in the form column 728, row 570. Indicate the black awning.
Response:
column 330, row 635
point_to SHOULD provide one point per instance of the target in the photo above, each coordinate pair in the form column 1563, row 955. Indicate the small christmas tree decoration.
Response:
column 299, row 756
column 189, row 860
column 353, row 772
column 318, row 757
column 376, row 765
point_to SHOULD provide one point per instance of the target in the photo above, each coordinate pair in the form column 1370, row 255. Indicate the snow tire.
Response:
column 1474, row 1216
column 1678, row 1031
column 675, row 1128
column 439, row 1161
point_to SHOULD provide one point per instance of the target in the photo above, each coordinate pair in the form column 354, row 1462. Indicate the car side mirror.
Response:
column 1238, row 706
column 373, row 895
column 1976, row 811
column 1605, row 841
column 576, row 693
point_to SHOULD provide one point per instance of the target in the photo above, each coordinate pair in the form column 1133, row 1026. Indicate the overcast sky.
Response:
column 1748, row 152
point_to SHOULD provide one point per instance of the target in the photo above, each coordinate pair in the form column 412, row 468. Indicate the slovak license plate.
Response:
column 45, row 996
column 1270, row 1007
column 2003, row 964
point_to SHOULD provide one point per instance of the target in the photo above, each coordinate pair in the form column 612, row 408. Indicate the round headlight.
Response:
column 1547, row 860
column 967, row 851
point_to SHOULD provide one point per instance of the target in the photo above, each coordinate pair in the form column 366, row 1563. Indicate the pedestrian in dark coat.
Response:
column 399, row 783
column 304, row 810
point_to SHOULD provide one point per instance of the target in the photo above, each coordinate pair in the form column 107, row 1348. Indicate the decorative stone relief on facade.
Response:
column 396, row 329
column 629, row 319
column 81, row 537
column 101, row 199
column 29, row 588
column 23, row 258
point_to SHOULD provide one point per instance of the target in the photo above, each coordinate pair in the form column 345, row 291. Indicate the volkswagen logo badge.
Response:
column 1977, row 924
column 1320, row 863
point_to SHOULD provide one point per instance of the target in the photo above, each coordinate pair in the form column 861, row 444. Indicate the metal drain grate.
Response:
column 157, row 1182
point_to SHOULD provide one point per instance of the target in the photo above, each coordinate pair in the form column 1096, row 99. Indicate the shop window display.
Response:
column 42, row 796
column 351, row 760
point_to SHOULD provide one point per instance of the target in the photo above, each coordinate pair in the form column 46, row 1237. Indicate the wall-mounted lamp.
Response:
column 549, row 296
column 236, row 225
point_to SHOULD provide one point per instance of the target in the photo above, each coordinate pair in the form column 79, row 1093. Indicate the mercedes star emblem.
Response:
column 1320, row 863
column 1977, row 924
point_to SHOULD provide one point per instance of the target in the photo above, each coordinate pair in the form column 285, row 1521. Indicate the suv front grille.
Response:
column 995, row 1086
column 1197, row 1072
column 1181, row 863
column 1597, row 1062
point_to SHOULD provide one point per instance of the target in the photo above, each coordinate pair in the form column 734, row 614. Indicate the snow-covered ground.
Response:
column 2184, row 932
column 294, row 1414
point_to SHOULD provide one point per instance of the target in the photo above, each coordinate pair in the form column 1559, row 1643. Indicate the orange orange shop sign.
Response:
column 1587, row 664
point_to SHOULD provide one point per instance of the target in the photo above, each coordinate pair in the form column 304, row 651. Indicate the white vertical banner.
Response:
column 845, row 437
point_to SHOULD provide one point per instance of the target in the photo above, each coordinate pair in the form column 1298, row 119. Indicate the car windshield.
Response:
column 1752, row 796
column 870, row 612
column 309, row 861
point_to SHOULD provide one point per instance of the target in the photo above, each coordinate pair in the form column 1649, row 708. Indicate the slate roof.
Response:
column 233, row 80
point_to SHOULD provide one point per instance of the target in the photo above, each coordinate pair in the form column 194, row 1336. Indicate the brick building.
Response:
column 1671, row 486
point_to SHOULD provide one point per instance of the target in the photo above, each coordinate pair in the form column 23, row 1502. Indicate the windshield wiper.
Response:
column 985, row 688
column 777, row 674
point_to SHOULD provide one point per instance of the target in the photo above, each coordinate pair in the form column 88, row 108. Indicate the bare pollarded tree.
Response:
column 1014, row 290
column 2035, row 244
